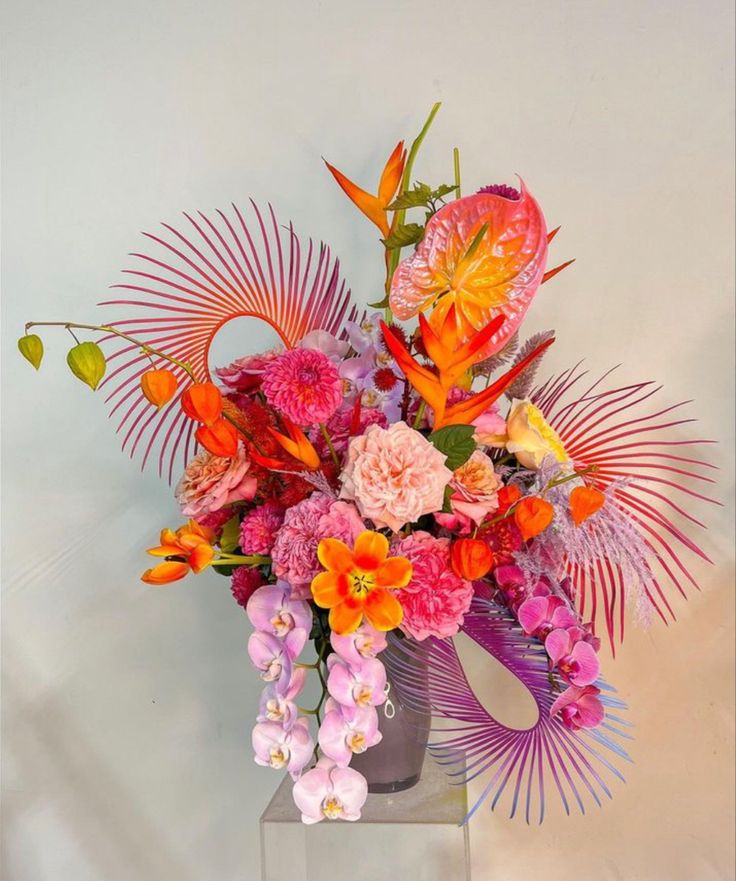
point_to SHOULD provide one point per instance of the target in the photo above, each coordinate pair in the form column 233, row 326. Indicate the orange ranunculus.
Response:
column 158, row 386
column 374, row 207
column 189, row 548
column 584, row 502
column 533, row 515
column 471, row 558
column 359, row 582
column 202, row 402
column 220, row 438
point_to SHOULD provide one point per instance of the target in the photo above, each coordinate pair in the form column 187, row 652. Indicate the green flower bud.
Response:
column 31, row 348
column 87, row 363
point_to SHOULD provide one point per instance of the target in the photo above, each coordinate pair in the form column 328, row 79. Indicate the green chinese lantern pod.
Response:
column 31, row 348
column 87, row 363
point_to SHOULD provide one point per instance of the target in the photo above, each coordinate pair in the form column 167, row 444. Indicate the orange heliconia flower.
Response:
column 202, row 402
column 189, row 548
column 453, row 357
column 219, row 438
column 584, row 502
column 375, row 207
column 158, row 386
column 359, row 582
column 297, row 444
column 471, row 558
column 533, row 515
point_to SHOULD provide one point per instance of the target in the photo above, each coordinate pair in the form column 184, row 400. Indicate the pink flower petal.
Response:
column 587, row 661
column 532, row 613
column 310, row 790
column 333, row 733
column 351, row 789
column 557, row 645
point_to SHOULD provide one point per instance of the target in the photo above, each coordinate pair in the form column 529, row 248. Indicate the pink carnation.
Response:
column 304, row 385
column 244, row 583
column 259, row 527
column 395, row 475
column 436, row 599
column 245, row 374
column 338, row 428
column 211, row 482
column 294, row 553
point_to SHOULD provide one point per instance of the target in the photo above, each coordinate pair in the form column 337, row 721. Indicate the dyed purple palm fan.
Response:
column 191, row 285
column 524, row 763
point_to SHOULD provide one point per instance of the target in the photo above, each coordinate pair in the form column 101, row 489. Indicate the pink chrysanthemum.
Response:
column 436, row 599
column 304, row 385
column 244, row 582
column 259, row 527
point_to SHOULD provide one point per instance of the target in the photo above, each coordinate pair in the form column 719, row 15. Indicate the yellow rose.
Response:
column 530, row 437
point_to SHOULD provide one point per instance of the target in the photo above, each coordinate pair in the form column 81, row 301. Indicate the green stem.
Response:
column 328, row 441
column 574, row 476
column 237, row 560
column 420, row 413
column 456, row 166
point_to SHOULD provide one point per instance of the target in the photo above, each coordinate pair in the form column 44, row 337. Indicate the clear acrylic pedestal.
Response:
column 405, row 836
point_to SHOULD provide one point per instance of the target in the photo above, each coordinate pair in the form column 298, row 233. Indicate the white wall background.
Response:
column 127, row 709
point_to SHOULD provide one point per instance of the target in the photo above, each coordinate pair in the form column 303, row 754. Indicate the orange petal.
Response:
column 202, row 402
column 335, row 555
column 533, row 515
column 220, row 438
column 394, row 573
column 165, row 573
column 584, row 502
column 165, row 551
column 383, row 610
column 367, row 203
column 371, row 549
column 329, row 589
column 391, row 175
column 201, row 557
column 345, row 618
column 168, row 537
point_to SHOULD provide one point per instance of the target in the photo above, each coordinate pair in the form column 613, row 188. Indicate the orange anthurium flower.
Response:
column 158, row 386
column 189, row 548
column 297, row 445
column 359, row 582
column 533, row 515
column 220, row 438
column 471, row 558
column 374, row 207
column 584, row 502
column 202, row 402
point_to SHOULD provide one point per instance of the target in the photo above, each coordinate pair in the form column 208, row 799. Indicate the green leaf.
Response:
column 230, row 538
column 443, row 190
column 381, row 304
column 456, row 442
column 31, row 348
column 415, row 198
column 402, row 236
column 87, row 363
column 446, row 503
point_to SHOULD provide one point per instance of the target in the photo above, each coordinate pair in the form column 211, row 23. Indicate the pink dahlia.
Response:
column 211, row 482
column 338, row 427
column 436, row 599
column 246, row 373
column 304, row 385
column 259, row 527
column 294, row 553
column 244, row 583
column 395, row 475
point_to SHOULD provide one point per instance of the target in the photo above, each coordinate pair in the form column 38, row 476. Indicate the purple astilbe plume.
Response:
column 503, row 356
column 646, row 466
column 523, row 383
column 189, row 286
column 527, row 762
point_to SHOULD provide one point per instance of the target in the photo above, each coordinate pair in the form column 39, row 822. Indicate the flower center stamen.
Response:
column 332, row 807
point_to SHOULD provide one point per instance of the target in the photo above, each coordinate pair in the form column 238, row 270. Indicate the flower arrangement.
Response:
column 398, row 478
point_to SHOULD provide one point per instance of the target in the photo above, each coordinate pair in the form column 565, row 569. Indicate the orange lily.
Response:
column 296, row 445
column 375, row 207
column 453, row 358
column 359, row 582
column 189, row 548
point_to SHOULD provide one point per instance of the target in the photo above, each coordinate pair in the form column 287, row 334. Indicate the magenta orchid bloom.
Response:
column 271, row 610
column 577, row 662
column 365, row 642
column 277, row 705
column 540, row 615
column 271, row 657
column 515, row 585
column 579, row 707
column 276, row 747
column 329, row 792
column 585, row 633
column 362, row 686
column 347, row 730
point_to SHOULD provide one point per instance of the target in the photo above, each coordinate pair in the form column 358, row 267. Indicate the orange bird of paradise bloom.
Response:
column 188, row 549
column 453, row 357
column 375, row 207
column 359, row 582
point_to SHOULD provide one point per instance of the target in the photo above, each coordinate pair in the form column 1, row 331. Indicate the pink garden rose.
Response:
column 329, row 792
column 294, row 553
column 490, row 427
column 211, row 482
column 476, row 487
column 436, row 599
column 245, row 374
column 394, row 475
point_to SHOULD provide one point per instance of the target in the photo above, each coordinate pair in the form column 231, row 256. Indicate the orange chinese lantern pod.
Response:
column 159, row 386
column 533, row 515
column 471, row 558
column 202, row 402
column 220, row 438
column 507, row 496
column 584, row 502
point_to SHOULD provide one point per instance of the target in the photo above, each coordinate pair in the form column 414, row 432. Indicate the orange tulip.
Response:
column 359, row 582
column 189, row 548
column 533, row 515
column 202, row 402
column 297, row 445
column 219, row 438
column 374, row 207
column 584, row 502
column 471, row 558
column 158, row 386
